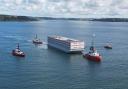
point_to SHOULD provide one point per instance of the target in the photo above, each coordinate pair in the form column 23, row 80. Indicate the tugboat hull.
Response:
column 93, row 58
column 16, row 54
column 35, row 42
column 107, row 47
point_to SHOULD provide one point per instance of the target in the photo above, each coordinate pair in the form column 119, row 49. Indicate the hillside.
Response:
column 29, row 18
column 17, row 18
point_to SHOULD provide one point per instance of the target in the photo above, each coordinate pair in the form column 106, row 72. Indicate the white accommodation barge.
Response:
column 65, row 44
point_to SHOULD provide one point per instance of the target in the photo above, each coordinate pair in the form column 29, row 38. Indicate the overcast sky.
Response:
column 66, row 8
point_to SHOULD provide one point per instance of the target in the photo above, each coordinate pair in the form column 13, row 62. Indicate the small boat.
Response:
column 37, row 41
column 108, row 46
column 93, row 55
column 18, row 52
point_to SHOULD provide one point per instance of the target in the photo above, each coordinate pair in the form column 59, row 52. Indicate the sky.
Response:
column 66, row 8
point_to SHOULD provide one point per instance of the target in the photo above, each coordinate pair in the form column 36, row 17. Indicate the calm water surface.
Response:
column 45, row 68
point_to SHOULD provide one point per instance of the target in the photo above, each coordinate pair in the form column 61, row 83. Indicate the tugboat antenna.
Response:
column 18, row 46
column 93, row 39
column 36, row 36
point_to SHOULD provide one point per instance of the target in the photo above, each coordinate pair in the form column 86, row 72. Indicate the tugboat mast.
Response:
column 93, row 40
column 36, row 36
column 18, row 46
column 92, row 46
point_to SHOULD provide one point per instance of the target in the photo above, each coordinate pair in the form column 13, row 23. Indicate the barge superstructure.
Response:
column 66, row 44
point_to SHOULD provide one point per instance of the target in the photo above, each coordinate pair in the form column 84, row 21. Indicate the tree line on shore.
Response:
column 29, row 18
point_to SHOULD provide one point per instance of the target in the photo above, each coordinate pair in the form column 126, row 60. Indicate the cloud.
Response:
column 65, row 8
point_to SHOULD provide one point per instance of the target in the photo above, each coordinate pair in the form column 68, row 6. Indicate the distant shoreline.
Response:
column 29, row 18
column 17, row 18
column 89, row 19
